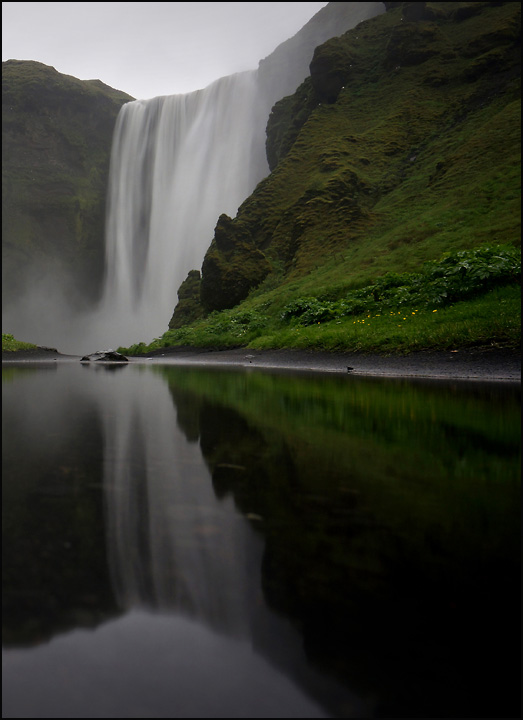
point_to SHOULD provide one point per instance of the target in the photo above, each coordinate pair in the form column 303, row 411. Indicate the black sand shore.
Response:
column 487, row 364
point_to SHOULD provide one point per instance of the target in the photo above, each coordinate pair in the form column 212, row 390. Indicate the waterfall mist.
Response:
column 177, row 163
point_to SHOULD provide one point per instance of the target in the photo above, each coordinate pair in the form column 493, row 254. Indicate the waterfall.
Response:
column 179, row 162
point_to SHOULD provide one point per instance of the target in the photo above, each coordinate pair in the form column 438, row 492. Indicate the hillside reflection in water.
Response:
column 203, row 543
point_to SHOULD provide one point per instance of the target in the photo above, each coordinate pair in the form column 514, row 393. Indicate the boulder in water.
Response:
column 104, row 356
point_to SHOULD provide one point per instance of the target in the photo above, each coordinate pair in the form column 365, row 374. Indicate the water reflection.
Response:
column 258, row 545
column 149, row 666
column 172, row 547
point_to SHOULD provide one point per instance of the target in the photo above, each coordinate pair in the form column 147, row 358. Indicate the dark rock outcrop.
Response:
column 330, row 69
column 232, row 266
column 189, row 307
column 287, row 118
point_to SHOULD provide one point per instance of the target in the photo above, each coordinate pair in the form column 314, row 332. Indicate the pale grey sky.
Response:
column 150, row 48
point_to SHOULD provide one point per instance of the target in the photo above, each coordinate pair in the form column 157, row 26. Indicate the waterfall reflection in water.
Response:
column 172, row 546
column 390, row 534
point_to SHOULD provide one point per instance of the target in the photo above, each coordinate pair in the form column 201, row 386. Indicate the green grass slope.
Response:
column 400, row 153
column 11, row 344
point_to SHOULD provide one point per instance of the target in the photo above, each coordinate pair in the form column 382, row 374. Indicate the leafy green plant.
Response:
column 309, row 311
column 456, row 276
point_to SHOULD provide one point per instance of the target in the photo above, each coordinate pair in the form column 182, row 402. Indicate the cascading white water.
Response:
column 178, row 163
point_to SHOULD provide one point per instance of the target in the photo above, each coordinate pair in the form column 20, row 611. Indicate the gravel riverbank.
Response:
column 493, row 364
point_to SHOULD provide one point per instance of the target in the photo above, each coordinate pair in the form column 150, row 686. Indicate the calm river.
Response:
column 187, row 542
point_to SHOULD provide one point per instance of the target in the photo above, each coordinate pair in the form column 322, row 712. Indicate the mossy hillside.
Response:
column 396, row 161
column 417, row 155
column 56, row 142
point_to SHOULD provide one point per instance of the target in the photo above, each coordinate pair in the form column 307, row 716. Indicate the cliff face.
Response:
column 404, row 141
column 56, row 144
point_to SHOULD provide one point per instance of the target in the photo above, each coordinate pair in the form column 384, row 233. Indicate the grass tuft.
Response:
column 10, row 344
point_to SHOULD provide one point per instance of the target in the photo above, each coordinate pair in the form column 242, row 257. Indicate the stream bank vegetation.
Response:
column 11, row 344
column 467, row 298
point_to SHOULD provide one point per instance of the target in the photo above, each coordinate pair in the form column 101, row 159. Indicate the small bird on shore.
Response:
column 349, row 369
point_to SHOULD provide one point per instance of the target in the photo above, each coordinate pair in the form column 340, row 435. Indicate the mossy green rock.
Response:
column 189, row 307
column 287, row 118
column 232, row 267
column 56, row 143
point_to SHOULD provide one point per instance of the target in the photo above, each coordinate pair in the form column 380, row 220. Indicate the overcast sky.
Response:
column 150, row 48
